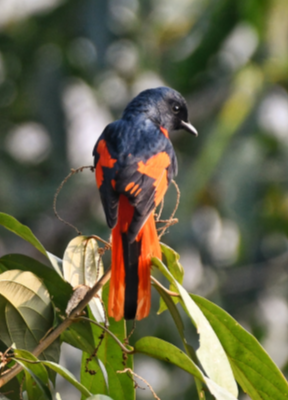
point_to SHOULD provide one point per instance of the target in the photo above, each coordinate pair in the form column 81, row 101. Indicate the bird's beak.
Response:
column 189, row 128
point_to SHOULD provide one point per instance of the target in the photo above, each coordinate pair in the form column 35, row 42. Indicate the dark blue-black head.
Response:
column 164, row 106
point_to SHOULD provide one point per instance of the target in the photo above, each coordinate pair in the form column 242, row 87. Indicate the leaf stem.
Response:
column 169, row 292
column 82, row 318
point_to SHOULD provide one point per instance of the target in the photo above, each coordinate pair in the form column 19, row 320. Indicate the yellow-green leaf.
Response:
column 26, row 312
column 257, row 374
column 82, row 265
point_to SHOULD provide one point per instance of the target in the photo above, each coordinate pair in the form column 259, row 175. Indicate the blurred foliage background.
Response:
column 68, row 68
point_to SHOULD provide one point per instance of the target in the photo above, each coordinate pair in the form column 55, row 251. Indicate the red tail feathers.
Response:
column 122, row 277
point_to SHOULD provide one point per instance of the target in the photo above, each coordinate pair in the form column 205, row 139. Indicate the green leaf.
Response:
column 176, row 270
column 100, row 397
column 87, row 379
column 172, row 262
column 118, row 383
column 97, row 383
column 173, row 310
column 120, row 386
column 163, row 269
column 35, row 366
column 180, row 326
column 257, row 374
column 79, row 335
column 4, row 397
column 26, row 312
column 60, row 291
column 12, row 387
column 165, row 351
column 68, row 376
column 104, row 374
column 13, row 225
column 34, row 373
column 38, row 392
column 210, row 353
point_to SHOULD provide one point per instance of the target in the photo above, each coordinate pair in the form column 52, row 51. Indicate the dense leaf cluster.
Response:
column 31, row 291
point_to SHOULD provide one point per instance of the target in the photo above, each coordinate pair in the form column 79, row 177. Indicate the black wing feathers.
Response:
column 129, row 147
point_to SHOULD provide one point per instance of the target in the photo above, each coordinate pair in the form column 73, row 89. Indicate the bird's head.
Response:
column 164, row 106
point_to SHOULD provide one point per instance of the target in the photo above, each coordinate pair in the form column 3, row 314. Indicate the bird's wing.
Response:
column 145, row 184
column 105, row 171
column 142, row 175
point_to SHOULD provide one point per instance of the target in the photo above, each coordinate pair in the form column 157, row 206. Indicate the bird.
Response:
column 134, row 164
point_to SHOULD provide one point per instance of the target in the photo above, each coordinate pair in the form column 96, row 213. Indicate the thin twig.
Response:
column 131, row 332
column 21, row 387
column 173, row 294
column 73, row 171
column 171, row 221
column 107, row 244
column 94, row 354
column 178, row 198
column 160, row 210
column 82, row 318
column 142, row 379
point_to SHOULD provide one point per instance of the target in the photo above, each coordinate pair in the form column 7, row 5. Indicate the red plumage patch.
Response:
column 134, row 186
column 105, row 160
column 156, row 168
column 164, row 131
column 149, row 247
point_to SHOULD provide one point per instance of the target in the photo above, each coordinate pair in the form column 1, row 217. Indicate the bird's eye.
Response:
column 175, row 108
